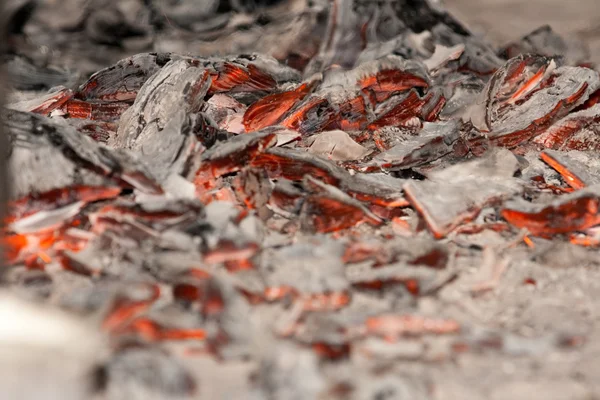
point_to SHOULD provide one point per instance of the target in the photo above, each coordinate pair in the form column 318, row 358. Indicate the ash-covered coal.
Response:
column 294, row 199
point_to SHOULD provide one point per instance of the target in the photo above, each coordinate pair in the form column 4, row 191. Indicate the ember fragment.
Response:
column 294, row 165
column 83, row 170
column 577, row 131
column 571, row 212
column 153, row 125
column 271, row 109
column 123, row 81
column 457, row 194
column 579, row 169
column 231, row 156
column 538, row 102
column 433, row 141
column 328, row 209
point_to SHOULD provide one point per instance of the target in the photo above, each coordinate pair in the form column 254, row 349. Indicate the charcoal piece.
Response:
column 93, row 110
column 311, row 116
column 546, row 42
column 457, row 194
column 337, row 146
column 295, row 164
column 328, row 209
column 380, row 78
column 533, row 167
column 309, row 266
column 516, row 113
column 576, row 211
column 418, row 252
column 272, row 108
column 99, row 131
column 518, row 77
column 408, row 45
column 576, row 131
column 345, row 37
column 393, row 326
column 390, row 136
column 341, row 42
column 402, row 113
column 424, row 15
column 226, row 112
column 231, row 156
column 159, row 214
column 147, row 374
column 248, row 73
column 83, row 170
column 123, row 80
column 433, row 141
column 158, row 125
column 377, row 188
column 287, row 33
column 578, row 168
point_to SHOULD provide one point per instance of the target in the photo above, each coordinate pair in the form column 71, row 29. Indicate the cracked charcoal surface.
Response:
column 293, row 199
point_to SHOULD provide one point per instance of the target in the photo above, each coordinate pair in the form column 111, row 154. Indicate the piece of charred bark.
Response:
column 159, row 215
column 294, row 164
column 375, row 189
column 433, row 141
column 226, row 113
column 328, row 209
column 83, row 171
column 579, row 169
column 123, row 80
column 159, row 125
column 568, row 213
column 272, row 108
column 231, row 156
column 457, row 194
column 577, row 131
column 247, row 73
column 516, row 107
column 253, row 188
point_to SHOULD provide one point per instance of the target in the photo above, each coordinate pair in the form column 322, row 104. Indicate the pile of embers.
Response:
column 286, row 221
